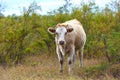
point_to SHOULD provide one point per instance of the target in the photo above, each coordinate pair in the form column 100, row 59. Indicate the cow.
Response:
column 70, row 39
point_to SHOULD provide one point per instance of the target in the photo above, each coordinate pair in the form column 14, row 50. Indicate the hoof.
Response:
column 81, row 66
column 61, row 71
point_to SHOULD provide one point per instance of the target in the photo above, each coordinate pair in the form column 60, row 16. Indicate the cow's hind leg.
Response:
column 81, row 56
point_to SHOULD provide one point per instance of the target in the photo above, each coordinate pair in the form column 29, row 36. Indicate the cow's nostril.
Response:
column 61, row 42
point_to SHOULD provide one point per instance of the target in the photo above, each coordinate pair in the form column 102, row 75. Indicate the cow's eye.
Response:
column 56, row 33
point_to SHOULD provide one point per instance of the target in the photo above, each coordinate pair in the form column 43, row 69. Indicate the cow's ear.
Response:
column 69, row 29
column 51, row 30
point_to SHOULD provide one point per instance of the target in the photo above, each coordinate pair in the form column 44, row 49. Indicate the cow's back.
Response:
column 78, row 35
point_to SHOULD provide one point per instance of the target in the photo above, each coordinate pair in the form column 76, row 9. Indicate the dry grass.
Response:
column 44, row 67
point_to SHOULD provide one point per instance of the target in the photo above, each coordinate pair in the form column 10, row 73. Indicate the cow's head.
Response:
column 61, row 31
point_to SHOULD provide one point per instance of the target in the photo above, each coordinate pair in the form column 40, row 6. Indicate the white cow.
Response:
column 70, row 38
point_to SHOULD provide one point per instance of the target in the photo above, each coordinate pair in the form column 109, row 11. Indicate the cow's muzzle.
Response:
column 61, row 42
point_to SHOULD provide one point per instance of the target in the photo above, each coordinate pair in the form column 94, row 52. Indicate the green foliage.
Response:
column 113, row 46
column 27, row 34
column 98, row 68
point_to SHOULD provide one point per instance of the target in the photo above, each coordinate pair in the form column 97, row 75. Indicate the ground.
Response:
column 46, row 67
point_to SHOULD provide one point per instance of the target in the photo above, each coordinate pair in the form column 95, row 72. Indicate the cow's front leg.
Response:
column 71, row 58
column 60, row 58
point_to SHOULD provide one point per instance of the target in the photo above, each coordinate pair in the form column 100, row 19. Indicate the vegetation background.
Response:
column 25, row 41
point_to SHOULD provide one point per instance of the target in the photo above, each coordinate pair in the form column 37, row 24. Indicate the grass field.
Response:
column 46, row 67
